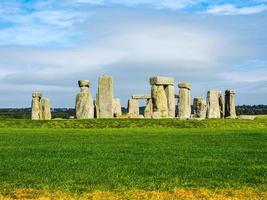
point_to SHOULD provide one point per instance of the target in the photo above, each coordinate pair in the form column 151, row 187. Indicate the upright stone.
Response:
column 116, row 107
column 133, row 108
column 45, row 109
column 222, row 105
column 36, row 106
column 105, row 96
column 84, row 101
column 184, row 101
column 213, row 103
column 230, row 111
column 149, row 109
column 170, row 93
column 160, row 102
column 200, row 108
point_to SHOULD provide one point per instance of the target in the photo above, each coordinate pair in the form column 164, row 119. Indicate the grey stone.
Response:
column 222, row 105
column 149, row 109
column 105, row 96
column 45, row 109
column 133, row 108
column 184, row 101
column 161, row 80
column 170, row 93
column 160, row 102
column 184, row 85
column 200, row 108
column 116, row 107
column 36, row 106
column 230, row 111
column 247, row 117
column 84, row 105
column 141, row 96
column 213, row 103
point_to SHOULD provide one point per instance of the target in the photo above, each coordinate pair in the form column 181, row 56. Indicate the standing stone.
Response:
column 45, row 109
column 36, row 105
column 105, row 96
column 213, row 104
column 200, row 108
column 84, row 101
column 149, row 109
column 160, row 102
column 230, row 111
column 170, row 93
column 116, row 107
column 222, row 105
column 133, row 108
column 184, row 101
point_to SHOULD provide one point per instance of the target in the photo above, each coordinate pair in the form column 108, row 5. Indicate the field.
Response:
column 133, row 159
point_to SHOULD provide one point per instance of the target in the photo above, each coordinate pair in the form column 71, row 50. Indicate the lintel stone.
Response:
column 161, row 80
column 141, row 96
column 184, row 85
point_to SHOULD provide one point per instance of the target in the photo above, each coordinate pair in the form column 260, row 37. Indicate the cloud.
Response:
column 229, row 9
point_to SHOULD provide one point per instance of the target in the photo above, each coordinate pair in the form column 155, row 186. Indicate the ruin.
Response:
column 45, row 109
column 184, row 101
column 36, row 105
column 162, row 94
column 40, row 107
column 230, row 104
column 200, row 108
column 116, row 107
column 84, row 105
column 159, row 104
column 105, row 97
column 213, row 103
column 133, row 108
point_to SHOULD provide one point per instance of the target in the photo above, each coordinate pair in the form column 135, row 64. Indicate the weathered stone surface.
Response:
column 141, row 96
column 222, row 105
column 84, row 105
column 36, row 106
column 247, row 117
column 170, row 93
column 213, row 104
column 200, row 108
column 149, row 109
column 184, row 102
column 105, row 96
column 116, row 107
column 133, row 108
column 45, row 109
column 161, row 80
column 230, row 111
column 184, row 85
column 160, row 102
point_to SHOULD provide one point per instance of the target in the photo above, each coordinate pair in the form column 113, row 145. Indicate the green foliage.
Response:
column 119, row 159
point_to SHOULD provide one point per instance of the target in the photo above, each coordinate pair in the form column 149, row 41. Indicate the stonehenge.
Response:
column 133, row 106
column 84, row 105
column 200, row 108
column 40, row 109
column 159, row 104
column 105, row 96
column 163, row 99
column 230, row 104
column 184, row 101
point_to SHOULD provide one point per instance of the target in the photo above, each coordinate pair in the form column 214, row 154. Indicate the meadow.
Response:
column 134, row 159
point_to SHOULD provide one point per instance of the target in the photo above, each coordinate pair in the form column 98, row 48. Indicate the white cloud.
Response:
column 230, row 9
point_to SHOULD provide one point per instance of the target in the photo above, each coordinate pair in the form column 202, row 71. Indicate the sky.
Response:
column 47, row 46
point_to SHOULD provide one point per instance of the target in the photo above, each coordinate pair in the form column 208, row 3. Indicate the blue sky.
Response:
column 48, row 45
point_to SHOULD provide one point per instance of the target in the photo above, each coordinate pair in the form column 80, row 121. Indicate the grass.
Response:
column 214, row 155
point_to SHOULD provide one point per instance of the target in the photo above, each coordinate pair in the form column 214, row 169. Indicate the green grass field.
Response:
column 149, row 155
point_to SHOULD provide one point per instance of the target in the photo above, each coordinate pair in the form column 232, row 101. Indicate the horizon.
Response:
column 49, row 46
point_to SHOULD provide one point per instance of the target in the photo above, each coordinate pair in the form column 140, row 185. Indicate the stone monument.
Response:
column 230, row 111
column 84, row 101
column 184, row 101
